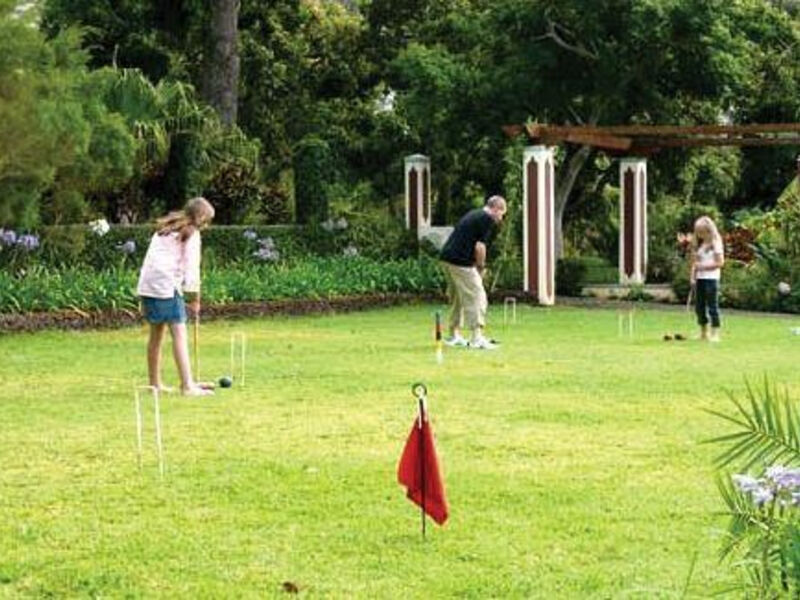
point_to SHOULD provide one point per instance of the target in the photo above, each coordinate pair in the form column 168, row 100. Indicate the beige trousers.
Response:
column 467, row 297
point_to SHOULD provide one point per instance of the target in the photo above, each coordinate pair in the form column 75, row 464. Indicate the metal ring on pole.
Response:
column 419, row 390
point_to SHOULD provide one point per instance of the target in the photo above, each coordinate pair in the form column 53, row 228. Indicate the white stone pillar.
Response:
column 632, row 220
column 538, row 223
column 418, row 193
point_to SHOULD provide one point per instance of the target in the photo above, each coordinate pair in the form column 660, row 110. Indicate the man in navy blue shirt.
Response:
column 464, row 261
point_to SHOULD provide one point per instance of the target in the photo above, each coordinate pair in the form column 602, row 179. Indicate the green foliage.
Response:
column 239, row 198
column 73, row 137
column 315, row 171
column 505, row 252
column 598, row 270
column 764, row 526
column 570, row 274
column 711, row 176
column 369, row 235
column 43, row 289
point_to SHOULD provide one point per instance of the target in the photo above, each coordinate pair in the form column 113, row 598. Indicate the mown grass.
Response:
column 572, row 458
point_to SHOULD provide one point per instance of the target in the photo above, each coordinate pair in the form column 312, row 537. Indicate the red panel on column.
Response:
column 628, row 224
column 533, row 227
column 413, row 218
column 548, row 216
column 426, row 195
column 642, row 221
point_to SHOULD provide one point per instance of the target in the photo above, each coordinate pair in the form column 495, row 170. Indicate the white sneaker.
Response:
column 483, row 343
column 456, row 341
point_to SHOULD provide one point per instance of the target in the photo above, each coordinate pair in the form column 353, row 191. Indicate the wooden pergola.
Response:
column 646, row 140
column 633, row 144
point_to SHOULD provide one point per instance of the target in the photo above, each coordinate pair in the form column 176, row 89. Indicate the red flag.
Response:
column 419, row 466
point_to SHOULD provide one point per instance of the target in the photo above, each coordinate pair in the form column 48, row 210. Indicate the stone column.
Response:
column 538, row 223
column 632, row 220
column 418, row 193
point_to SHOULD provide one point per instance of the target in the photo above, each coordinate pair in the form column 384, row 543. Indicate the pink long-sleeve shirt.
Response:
column 170, row 265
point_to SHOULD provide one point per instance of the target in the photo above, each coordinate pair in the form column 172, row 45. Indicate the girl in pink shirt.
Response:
column 172, row 267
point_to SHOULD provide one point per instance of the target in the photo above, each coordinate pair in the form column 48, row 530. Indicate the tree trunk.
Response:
column 565, row 182
column 221, row 73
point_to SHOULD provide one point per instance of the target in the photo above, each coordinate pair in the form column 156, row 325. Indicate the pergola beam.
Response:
column 646, row 139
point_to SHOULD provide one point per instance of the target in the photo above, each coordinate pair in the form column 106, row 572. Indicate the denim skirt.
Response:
column 164, row 310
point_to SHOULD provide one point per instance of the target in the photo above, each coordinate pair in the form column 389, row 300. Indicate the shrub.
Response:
column 569, row 276
column 238, row 197
column 598, row 270
column 314, row 169
column 42, row 289
column 77, row 245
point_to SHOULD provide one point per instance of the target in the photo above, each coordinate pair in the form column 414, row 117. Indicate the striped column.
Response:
column 418, row 193
column 633, row 220
column 538, row 233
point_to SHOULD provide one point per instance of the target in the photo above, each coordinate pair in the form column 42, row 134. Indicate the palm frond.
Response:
column 769, row 429
column 744, row 516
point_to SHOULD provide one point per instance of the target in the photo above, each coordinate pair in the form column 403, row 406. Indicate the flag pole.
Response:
column 420, row 392
column 422, row 462
column 438, row 338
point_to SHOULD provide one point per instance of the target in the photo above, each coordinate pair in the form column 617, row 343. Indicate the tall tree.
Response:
column 221, row 70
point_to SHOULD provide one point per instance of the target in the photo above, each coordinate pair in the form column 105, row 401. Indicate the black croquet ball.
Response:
column 225, row 382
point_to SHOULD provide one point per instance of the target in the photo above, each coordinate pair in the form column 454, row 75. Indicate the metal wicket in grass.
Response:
column 626, row 322
column 239, row 341
column 137, row 399
column 509, row 307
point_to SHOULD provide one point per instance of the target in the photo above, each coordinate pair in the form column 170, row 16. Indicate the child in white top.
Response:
column 709, row 256
column 172, row 267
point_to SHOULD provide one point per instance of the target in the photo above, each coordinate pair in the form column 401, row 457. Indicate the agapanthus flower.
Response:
column 762, row 495
column 783, row 478
column 341, row 223
column 746, row 483
column 128, row 247
column 328, row 225
column 267, row 254
column 267, row 242
column 350, row 251
column 784, row 289
column 28, row 242
column 250, row 234
column 8, row 237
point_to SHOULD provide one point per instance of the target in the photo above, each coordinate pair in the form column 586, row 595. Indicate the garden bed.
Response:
column 111, row 319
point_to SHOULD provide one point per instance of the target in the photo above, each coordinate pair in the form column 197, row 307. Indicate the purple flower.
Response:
column 8, row 237
column 249, row 234
column 28, row 242
column 762, row 495
column 267, row 243
column 267, row 254
column 128, row 247
column 746, row 483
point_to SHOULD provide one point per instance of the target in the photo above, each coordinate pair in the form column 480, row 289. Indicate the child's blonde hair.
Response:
column 197, row 213
column 707, row 223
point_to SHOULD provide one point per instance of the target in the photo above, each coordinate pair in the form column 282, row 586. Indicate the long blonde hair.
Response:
column 707, row 223
column 197, row 213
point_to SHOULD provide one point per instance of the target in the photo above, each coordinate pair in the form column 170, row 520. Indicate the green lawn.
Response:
column 572, row 459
